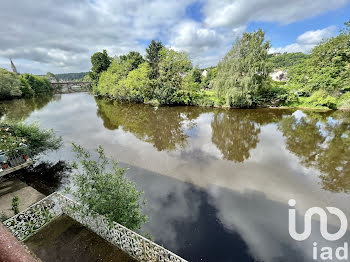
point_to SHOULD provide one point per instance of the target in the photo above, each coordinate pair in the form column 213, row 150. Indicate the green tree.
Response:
column 134, row 58
column 105, row 192
column 209, row 80
column 26, row 90
column 40, row 85
column 153, row 57
column 327, row 68
column 173, row 67
column 10, row 85
column 244, row 70
column 137, row 84
column 197, row 75
column 108, row 83
column 100, row 62
column 38, row 140
column 287, row 60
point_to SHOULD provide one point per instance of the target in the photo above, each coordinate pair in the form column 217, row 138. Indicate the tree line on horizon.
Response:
column 241, row 79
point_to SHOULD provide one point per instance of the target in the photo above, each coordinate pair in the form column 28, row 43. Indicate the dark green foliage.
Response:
column 287, row 60
column 107, row 192
column 173, row 66
column 15, row 204
column 10, row 85
column 197, row 75
column 208, row 81
column 134, row 58
column 71, row 76
column 153, row 57
column 100, row 62
column 327, row 68
column 40, row 85
column 26, row 90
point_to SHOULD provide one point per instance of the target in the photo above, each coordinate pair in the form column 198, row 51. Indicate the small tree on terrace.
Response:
column 244, row 70
column 105, row 192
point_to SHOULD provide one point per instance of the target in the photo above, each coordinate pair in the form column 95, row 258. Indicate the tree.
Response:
column 137, row 84
column 287, row 60
column 107, row 192
column 327, row 68
column 197, row 75
column 38, row 140
column 51, row 76
column 100, row 62
column 134, row 58
column 10, row 85
column 173, row 67
column 244, row 70
column 153, row 57
column 108, row 83
column 39, row 84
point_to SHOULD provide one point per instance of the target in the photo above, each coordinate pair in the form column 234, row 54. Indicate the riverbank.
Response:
column 211, row 104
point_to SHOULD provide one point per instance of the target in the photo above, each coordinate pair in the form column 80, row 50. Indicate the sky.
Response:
column 60, row 36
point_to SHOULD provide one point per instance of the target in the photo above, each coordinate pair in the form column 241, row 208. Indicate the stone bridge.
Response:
column 70, row 86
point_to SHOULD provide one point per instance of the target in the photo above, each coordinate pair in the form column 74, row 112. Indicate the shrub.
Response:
column 40, row 85
column 15, row 204
column 38, row 140
column 10, row 85
column 322, row 98
column 108, row 193
column 344, row 101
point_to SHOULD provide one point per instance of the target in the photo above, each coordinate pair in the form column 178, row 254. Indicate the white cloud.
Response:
column 206, row 46
column 306, row 41
column 60, row 36
column 233, row 13
column 189, row 36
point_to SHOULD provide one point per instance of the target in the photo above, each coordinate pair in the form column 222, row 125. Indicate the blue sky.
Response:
column 61, row 36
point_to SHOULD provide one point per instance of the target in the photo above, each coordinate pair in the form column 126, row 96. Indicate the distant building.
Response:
column 279, row 75
column 276, row 54
column 14, row 69
column 205, row 73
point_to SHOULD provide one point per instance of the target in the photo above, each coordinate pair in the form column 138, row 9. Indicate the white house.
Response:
column 279, row 75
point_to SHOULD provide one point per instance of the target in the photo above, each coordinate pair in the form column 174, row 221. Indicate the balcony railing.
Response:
column 14, row 159
column 31, row 220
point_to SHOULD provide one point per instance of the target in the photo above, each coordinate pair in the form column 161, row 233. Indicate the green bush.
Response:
column 10, row 85
column 323, row 99
column 108, row 193
column 15, row 204
column 40, row 85
column 26, row 90
column 38, row 140
column 343, row 101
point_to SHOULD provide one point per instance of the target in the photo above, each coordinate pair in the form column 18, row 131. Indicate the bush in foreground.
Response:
column 108, row 193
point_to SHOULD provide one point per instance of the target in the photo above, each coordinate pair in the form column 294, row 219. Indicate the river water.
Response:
column 217, row 181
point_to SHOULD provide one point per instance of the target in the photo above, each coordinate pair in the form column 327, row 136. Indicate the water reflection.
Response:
column 235, row 135
column 217, row 181
column 19, row 109
column 163, row 127
column 321, row 140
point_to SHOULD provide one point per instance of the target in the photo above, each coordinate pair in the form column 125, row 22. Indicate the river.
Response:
column 217, row 181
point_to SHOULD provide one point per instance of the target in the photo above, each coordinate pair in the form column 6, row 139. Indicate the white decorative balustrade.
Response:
column 30, row 221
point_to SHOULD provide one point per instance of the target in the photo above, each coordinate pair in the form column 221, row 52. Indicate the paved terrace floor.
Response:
column 64, row 239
